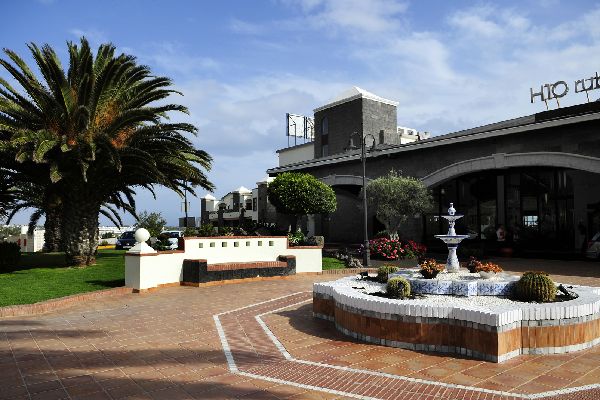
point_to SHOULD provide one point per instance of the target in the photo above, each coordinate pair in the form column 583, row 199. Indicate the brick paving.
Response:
column 166, row 345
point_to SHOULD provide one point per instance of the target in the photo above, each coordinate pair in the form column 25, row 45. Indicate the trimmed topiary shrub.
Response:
column 398, row 288
column 535, row 286
column 384, row 271
column 10, row 254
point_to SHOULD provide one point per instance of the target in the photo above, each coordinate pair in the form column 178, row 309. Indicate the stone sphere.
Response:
column 141, row 235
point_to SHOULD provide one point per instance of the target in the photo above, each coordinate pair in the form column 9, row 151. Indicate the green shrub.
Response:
column 296, row 238
column 104, row 243
column 10, row 254
column 384, row 271
column 206, row 230
column 190, row 231
column 398, row 288
column 535, row 286
column 107, row 235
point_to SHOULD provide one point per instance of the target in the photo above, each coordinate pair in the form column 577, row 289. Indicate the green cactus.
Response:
column 384, row 271
column 398, row 288
column 535, row 286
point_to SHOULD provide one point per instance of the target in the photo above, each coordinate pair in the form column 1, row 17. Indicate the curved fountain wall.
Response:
column 459, row 287
column 493, row 333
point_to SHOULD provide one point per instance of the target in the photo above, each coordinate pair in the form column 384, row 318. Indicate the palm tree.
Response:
column 99, row 132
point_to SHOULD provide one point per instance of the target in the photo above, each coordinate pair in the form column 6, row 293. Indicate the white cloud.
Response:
column 245, row 27
column 173, row 57
column 352, row 16
column 96, row 37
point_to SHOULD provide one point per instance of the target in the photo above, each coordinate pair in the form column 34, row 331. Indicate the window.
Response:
column 325, row 126
column 381, row 137
column 254, row 204
column 530, row 220
column 325, row 150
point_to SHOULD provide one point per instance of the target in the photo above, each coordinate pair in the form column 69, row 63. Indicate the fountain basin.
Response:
column 458, row 284
column 488, row 328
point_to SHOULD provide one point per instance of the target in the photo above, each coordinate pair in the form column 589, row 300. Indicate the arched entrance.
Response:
column 544, row 201
column 345, row 224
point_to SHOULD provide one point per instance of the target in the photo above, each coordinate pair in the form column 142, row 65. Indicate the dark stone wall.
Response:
column 360, row 115
column 343, row 120
column 380, row 117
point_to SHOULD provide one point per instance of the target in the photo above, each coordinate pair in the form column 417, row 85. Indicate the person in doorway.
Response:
column 501, row 233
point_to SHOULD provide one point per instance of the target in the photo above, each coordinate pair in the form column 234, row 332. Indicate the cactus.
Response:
column 535, row 286
column 384, row 271
column 398, row 288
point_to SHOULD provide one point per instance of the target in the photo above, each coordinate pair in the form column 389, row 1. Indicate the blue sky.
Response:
column 243, row 64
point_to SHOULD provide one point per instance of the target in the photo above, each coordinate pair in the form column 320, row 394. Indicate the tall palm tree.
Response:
column 101, row 129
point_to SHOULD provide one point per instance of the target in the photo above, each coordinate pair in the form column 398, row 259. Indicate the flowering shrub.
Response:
column 488, row 267
column 392, row 249
column 430, row 268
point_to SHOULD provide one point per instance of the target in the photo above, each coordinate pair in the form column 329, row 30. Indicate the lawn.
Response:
column 332, row 263
column 44, row 276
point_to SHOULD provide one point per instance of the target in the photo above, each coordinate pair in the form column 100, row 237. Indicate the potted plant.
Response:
column 430, row 268
column 473, row 264
column 488, row 270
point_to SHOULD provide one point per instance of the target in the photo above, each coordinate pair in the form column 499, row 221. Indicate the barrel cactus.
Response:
column 398, row 288
column 384, row 271
column 535, row 286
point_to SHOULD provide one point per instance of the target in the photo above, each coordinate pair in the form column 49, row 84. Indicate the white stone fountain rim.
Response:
column 342, row 291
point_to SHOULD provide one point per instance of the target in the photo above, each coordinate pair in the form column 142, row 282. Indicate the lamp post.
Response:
column 363, row 158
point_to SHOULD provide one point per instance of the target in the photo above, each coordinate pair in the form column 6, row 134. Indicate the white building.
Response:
column 239, row 203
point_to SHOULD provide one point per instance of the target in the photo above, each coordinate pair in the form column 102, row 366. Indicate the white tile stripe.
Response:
column 230, row 361
column 233, row 367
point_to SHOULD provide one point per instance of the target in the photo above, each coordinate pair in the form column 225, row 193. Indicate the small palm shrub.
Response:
column 535, row 286
column 384, row 271
column 10, row 254
column 398, row 288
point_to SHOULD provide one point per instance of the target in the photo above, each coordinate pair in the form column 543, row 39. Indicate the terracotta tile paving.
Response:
column 165, row 345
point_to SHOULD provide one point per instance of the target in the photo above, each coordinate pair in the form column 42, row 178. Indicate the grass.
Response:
column 332, row 263
column 45, row 276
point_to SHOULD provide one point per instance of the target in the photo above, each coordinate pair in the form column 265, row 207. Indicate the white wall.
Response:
column 28, row 243
column 151, row 270
column 296, row 154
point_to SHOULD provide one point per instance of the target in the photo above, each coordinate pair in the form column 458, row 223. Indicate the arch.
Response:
column 510, row 160
column 336, row 180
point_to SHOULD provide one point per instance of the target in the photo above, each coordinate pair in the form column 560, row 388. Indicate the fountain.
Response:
column 459, row 312
column 451, row 239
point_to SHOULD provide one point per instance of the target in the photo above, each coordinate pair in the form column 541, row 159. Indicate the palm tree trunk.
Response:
column 52, row 226
column 80, row 227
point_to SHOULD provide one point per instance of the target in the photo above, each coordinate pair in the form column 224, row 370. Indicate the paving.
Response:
column 258, row 340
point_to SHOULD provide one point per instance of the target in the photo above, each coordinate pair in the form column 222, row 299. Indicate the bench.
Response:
column 196, row 272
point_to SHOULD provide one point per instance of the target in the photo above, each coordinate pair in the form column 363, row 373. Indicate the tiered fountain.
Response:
column 451, row 239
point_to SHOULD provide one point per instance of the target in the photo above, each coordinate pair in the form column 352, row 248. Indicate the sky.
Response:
column 242, row 65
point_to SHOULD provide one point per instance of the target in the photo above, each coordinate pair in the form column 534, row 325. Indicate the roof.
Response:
column 352, row 94
column 209, row 197
column 242, row 189
column 552, row 118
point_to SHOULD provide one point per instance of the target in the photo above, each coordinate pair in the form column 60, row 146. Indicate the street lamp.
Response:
column 363, row 157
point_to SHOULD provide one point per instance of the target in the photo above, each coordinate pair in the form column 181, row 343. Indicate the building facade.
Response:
column 536, row 177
